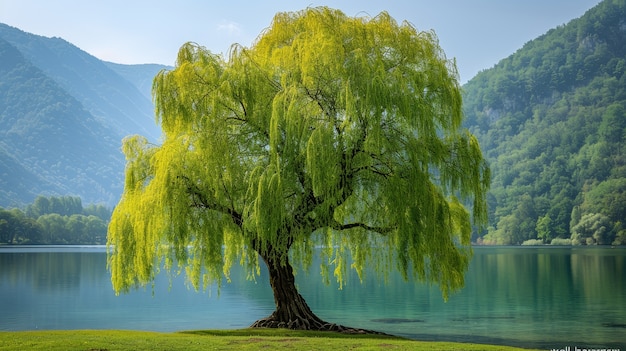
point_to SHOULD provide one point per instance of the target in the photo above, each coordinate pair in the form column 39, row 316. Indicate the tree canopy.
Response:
column 329, row 131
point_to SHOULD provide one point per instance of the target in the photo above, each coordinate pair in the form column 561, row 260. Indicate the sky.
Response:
column 477, row 33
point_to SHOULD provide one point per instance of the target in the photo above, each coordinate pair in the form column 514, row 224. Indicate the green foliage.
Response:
column 532, row 242
column 551, row 119
column 593, row 228
column 544, row 228
column 98, row 210
column 65, row 206
column 607, row 197
column 559, row 241
column 620, row 234
column 54, row 220
column 329, row 130
column 16, row 228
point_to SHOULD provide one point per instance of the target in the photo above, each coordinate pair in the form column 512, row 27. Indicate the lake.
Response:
column 542, row 297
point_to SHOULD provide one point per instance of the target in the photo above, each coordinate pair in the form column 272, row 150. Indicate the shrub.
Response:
column 532, row 242
column 559, row 241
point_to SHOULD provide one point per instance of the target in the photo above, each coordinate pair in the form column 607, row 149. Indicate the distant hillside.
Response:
column 109, row 97
column 63, row 114
column 551, row 119
column 140, row 76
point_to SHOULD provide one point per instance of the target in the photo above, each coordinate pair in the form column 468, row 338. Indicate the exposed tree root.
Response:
column 314, row 325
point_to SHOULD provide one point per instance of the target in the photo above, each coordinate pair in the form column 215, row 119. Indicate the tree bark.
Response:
column 292, row 311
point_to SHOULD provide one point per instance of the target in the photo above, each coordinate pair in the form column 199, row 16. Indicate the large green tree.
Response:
column 328, row 131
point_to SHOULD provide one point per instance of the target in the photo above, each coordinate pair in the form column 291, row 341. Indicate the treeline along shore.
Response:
column 54, row 221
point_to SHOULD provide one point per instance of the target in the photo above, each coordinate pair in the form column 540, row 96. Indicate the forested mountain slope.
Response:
column 63, row 114
column 109, row 97
column 551, row 119
column 56, row 146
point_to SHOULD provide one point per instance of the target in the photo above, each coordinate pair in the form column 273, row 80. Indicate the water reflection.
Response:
column 49, row 272
column 65, row 289
column 533, row 297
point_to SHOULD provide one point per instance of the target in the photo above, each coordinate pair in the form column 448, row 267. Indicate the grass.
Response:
column 239, row 340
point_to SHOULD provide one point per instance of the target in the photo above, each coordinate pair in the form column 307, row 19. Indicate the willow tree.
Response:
column 329, row 131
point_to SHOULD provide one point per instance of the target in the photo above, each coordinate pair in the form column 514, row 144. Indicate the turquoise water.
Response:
column 530, row 297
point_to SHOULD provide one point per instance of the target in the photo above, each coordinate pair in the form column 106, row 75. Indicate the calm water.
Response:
column 531, row 297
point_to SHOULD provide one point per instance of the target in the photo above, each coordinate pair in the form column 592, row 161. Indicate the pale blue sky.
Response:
column 478, row 33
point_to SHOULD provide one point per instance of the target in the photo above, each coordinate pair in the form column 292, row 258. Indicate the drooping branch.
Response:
column 200, row 200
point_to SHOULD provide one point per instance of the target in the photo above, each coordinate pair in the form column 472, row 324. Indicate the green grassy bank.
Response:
column 244, row 339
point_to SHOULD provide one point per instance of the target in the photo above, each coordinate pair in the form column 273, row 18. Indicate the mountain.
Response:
column 139, row 75
column 551, row 120
column 63, row 114
column 107, row 95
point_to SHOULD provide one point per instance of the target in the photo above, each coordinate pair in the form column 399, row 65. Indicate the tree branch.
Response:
column 380, row 230
column 200, row 200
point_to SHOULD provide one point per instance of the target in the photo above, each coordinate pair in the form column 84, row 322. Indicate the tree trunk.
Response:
column 292, row 311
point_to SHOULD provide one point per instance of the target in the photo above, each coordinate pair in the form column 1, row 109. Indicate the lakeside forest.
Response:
column 55, row 221
column 550, row 119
